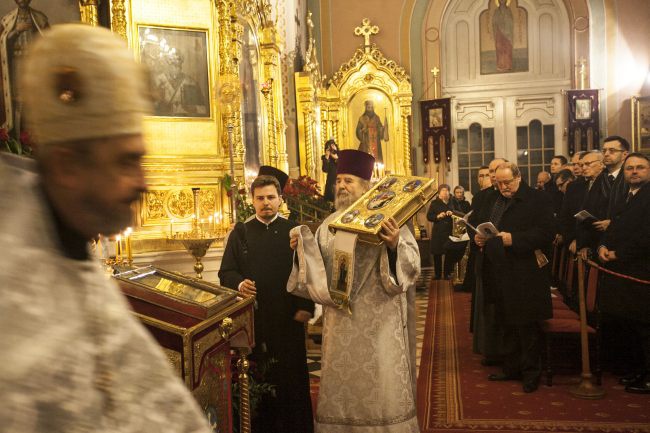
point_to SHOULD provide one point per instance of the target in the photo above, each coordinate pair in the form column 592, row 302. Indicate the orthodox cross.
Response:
column 582, row 72
column 366, row 30
column 435, row 71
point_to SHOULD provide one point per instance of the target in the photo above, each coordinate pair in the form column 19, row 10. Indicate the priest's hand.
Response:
column 302, row 316
column 293, row 242
column 247, row 287
column 390, row 233
column 479, row 239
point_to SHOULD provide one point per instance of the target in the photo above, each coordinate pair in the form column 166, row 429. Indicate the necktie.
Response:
column 610, row 178
column 629, row 197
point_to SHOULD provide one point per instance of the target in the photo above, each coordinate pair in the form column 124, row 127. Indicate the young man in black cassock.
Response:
column 257, row 262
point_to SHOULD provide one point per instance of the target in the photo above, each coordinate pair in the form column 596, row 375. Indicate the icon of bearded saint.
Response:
column 371, row 132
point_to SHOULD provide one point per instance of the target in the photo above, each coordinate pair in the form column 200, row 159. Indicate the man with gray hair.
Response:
column 595, row 202
column 72, row 356
column 368, row 376
column 513, row 277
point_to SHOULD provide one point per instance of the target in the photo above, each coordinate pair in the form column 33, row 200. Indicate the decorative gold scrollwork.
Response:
column 225, row 328
column 154, row 204
column 180, row 203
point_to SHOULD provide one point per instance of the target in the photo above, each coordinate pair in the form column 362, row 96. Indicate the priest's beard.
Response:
column 344, row 199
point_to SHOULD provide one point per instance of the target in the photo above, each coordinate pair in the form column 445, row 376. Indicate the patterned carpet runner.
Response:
column 454, row 394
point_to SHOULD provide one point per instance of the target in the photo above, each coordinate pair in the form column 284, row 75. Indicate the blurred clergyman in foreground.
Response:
column 72, row 357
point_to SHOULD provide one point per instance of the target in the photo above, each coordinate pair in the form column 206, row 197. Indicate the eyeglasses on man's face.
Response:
column 507, row 182
column 588, row 163
column 612, row 150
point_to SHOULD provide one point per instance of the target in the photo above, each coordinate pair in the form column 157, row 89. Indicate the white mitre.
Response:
column 81, row 82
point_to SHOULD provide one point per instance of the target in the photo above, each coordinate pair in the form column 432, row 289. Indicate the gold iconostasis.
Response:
column 218, row 108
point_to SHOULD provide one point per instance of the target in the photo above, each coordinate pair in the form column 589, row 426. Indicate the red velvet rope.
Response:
column 627, row 277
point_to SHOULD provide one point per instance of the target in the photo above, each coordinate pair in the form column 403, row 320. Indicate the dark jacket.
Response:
column 596, row 202
column 329, row 169
column 511, row 275
column 461, row 206
column 571, row 205
column 628, row 236
column 442, row 228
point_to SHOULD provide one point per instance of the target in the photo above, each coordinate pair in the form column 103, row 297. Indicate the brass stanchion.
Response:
column 585, row 389
column 244, row 397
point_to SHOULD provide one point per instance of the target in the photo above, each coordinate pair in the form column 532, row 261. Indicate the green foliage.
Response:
column 244, row 208
column 258, row 390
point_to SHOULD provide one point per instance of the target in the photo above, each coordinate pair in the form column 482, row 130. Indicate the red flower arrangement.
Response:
column 23, row 146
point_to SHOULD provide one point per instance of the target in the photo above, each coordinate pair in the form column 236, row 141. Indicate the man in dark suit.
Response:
column 486, row 337
column 625, row 248
column 595, row 202
column 610, row 190
column 512, row 278
column 574, row 196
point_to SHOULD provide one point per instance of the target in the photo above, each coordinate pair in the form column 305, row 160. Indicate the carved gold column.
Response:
column 270, row 53
column 305, row 96
column 88, row 10
column 118, row 18
column 310, row 167
column 325, row 133
column 244, row 397
column 230, row 32
column 406, row 137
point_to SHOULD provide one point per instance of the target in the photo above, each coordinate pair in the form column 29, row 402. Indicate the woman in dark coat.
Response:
column 440, row 215
column 330, row 160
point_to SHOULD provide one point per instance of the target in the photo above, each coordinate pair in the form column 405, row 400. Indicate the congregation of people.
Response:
column 594, row 206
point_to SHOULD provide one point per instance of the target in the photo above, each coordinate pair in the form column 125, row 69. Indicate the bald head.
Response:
column 493, row 168
column 543, row 177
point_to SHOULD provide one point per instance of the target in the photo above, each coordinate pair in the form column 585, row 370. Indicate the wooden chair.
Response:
column 565, row 326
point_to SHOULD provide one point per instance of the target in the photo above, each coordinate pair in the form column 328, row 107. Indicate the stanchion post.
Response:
column 585, row 389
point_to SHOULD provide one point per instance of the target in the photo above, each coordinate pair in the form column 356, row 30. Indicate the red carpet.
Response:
column 454, row 394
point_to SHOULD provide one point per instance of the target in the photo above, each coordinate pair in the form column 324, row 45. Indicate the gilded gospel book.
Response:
column 394, row 196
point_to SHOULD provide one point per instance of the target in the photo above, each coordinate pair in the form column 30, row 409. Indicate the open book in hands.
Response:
column 585, row 216
column 486, row 229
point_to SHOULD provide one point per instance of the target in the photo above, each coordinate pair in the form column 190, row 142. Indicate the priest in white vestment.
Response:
column 73, row 358
column 368, row 361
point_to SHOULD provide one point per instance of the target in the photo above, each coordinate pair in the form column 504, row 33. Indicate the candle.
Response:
column 127, row 241
column 171, row 227
column 99, row 246
column 210, row 224
column 118, row 248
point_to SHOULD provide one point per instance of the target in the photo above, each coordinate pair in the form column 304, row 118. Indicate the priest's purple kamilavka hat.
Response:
column 355, row 162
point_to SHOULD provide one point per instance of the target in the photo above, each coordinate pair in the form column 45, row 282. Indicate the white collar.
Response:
column 267, row 223
column 615, row 173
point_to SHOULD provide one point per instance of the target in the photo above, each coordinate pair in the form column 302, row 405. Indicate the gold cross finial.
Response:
column 435, row 71
column 366, row 30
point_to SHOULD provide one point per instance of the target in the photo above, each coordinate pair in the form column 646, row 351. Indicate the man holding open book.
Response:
column 512, row 271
